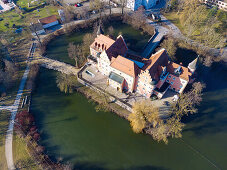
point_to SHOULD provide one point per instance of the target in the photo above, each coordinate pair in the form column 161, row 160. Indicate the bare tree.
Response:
column 171, row 47
column 123, row 5
column 73, row 54
column 111, row 31
column 87, row 41
column 68, row 14
column 187, row 101
column 138, row 18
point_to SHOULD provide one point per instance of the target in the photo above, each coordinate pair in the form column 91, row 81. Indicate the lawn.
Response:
column 174, row 18
column 21, row 155
column 32, row 4
column 20, row 152
column 4, row 117
column 23, row 20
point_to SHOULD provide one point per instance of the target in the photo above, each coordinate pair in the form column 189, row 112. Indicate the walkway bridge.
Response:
column 56, row 65
column 152, row 44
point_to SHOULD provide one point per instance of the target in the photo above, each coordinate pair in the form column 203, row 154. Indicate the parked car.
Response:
column 76, row 5
column 79, row 4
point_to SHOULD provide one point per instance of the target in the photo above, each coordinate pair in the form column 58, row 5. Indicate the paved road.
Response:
column 13, row 109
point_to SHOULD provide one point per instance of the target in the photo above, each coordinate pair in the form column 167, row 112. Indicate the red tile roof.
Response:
column 48, row 20
column 102, row 42
column 119, row 47
column 185, row 72
column 125, row 65
column 155, row 62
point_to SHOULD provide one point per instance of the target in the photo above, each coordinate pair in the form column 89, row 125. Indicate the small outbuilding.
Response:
column 49, row 21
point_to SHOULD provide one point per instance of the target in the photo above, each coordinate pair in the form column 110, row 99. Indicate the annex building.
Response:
column 135, row 4
column 154, row 75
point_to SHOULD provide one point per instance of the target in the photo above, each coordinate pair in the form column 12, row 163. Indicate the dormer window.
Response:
column 178, row 70
column 95, row 44
column 102, row 46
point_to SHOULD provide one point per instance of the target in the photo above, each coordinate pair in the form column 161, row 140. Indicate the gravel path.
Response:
column 14, row 109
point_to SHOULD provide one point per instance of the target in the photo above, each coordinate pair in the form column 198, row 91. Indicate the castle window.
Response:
column 169, row 76
column 173, row 78
column 181, row 86
column 171, row 82
column 167, row 81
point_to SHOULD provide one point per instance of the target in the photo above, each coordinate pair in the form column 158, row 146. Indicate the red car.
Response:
column 76, row 5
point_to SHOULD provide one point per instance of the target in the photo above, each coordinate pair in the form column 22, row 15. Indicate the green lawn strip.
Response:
column 21, row 156
column 32, row 4
column 97, row 97
column 11, row 17
column 174, row 18
column 4, row 119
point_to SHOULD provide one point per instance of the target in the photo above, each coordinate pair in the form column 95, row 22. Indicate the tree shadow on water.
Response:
column 147, row 167
column 210, row 119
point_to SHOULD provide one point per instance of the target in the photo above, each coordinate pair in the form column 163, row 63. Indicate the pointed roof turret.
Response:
column 100, row 31
column 192, row 66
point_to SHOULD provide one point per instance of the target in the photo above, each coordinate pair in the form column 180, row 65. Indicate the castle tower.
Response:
column 100, row 31
column 193, row 65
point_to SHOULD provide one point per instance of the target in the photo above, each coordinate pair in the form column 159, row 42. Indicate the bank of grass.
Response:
column 23, row 20
column 4, row 119
column 32, row 4
column 174, row 18
column 20, row 149
column 98, row 98
column 21, row 156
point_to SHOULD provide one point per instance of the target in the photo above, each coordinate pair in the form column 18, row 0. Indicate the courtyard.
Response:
column 92, row 75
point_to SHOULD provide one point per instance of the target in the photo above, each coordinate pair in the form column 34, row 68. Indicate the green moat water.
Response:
column 73, row 130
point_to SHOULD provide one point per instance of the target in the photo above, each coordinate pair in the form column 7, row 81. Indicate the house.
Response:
column 37, row 28
column 49, row 21
column 106, row 46
column 135, row 4
column 154, row 75
column 221, row 4
column 127, row 70
column 160, row 74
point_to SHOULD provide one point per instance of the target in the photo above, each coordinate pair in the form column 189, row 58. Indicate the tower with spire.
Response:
column 193, row 65
column 100, row 31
